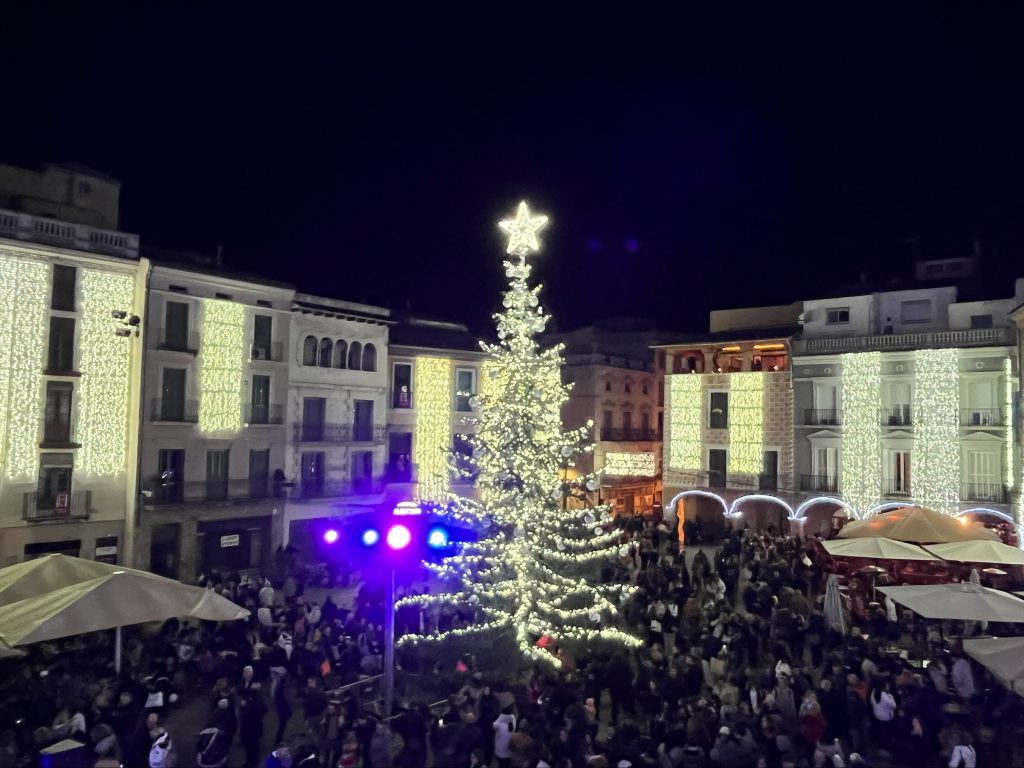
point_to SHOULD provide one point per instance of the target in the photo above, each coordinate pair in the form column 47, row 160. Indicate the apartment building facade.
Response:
column 71, row 295
column 336, row 411
column 214, row 430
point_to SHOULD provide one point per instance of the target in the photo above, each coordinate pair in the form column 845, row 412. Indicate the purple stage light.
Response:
column 399, row 537
column 370, row 537
column 330, row 536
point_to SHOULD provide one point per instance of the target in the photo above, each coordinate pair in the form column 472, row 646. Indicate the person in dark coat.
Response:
column 283, row 710
column 250, row 723
column 619, row 678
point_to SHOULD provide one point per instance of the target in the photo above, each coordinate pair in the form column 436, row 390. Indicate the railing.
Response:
column 56, row 432
column 991, row 492
column 981, row 417
column 264, row 413
column 68, row 505
column 185, row 411
column 211, row 490
column 178, row 342
column 324, row 488
column 819, row 483
column 895, row 487
column 339, row 433
column 274, row 352
column 401, row 399
column 974, row 337
column 623, row 434
column 896, row 416
column 25, row 226
column 821, row 416
column 767, row 482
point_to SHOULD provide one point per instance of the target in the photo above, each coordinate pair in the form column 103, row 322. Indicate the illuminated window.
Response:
column 465, row 388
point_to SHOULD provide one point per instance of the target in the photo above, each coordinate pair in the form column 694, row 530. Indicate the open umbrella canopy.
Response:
column 978, row 552
column 917, row 524
column 114, row 600
column 834, row 613
column 45, row 574
column 969, row 602
column 876, row 549
column 1002, row 656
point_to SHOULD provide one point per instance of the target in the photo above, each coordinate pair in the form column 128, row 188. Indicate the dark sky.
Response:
column 711, row 157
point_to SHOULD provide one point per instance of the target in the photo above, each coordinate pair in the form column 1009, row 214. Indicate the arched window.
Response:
column 369, row 358
column 340, row 353
column 326, row 347
column 309, row 351
column 355, row 355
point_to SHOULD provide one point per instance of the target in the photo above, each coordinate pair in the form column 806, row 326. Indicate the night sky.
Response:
column 688, row 160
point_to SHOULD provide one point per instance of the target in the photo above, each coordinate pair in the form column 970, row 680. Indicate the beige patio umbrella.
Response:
column 45, row 574
column 978, row 552
column 876, row 549
column 917, row 524
column 968, row 602
column 1002, row 656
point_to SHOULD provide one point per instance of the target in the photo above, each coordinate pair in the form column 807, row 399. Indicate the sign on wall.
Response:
column 630, row 464
column 229, row 541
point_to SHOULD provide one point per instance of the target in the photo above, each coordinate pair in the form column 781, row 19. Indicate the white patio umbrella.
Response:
column 876, row 549
column 968, row 602
column 45, row 574
column 978, row 551
column 1002, row 656
column 917, row 524
column 834, row 613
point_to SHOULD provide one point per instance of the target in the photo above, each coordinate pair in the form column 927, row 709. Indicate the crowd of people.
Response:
column 739, row 668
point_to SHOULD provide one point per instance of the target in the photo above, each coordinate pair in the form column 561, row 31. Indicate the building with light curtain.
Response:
column 611, row 368
column 908, row 395
column 728, row 419
column 214, row 430
column 337, row 412
column 73, row 288
column 435, row 371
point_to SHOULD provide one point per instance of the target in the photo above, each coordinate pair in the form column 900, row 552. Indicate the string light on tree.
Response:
column 531, row 576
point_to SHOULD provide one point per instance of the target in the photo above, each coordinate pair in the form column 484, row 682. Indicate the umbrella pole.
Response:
column 117, row 650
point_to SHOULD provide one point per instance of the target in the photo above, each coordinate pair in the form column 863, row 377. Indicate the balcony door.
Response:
column 176, row 325
column 172, row 402
column 171, row 475
column 400, row 456
column 260, row 400
column 717, row 464
column 313, row 472
column 259, row 473
column 262, row 332
column 313, row 410
column 217, row 474
column 362, row 421
column 401, row 386
column 898, row 468
column 362, row 471
column 983, row 476
column 57, row 419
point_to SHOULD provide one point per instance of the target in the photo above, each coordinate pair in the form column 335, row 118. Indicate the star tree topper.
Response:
column 522, row 231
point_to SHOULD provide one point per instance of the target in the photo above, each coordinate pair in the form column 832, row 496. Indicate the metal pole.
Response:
column 117, row 650
column 389, row 643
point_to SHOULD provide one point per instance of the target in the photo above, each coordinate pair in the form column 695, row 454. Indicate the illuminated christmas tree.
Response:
column 531, row 577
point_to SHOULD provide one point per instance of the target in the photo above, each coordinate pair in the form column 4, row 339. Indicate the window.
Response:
column 897, row 465
column 401, row 386
column 646, row 388
column 825, row 462
column 63, row 295
column 172, row 399
column 897, row 399
column 627, row 421
column 54, row 491
column 607, row 420
column 465, row 388
column 661, row 361
column 61, row 353
column 769, row 480
column 309, row 347
column 84, row 187
column 260, row 400
column 981, row 321
column 837, row 316
column 313, row 474
column 176, row 326
column 177, row 289
column 645, row 425
column 57, row 419
column 355, row 356
column 340, row 353
column 607, row 386
column 262, row 333
column 916, row 311
column 259, row 473
column 313, row 410
column 326, row 347
column 717, row 462
column 217, row 474
column 170, row 477
column 719, row 410
column 369, row 358
column 627, row 387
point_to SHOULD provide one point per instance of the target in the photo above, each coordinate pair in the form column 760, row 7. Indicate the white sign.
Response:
column 229, row 541
column 630, row 465
column 104, row 551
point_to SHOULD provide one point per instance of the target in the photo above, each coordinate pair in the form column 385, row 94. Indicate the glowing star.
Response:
column 522, row 231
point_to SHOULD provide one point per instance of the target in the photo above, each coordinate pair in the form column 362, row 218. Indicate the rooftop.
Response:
column 735, row 335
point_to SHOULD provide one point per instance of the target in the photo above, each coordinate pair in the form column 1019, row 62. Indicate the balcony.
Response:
column 401, row 399
column 25, row 226
column 311, row 488
column 176, row 341
column 991, row 492
column 339, row 433
column 624, row 434
column 67, row 505
column 819, row 483
column 211, row 490
column 57, row 434
column 264, row 413
column 981, row 417
column 974, row 337
column 896, row 416
column 821, row 417
column 895, row 488
column 181, row 411
column 272, row 352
